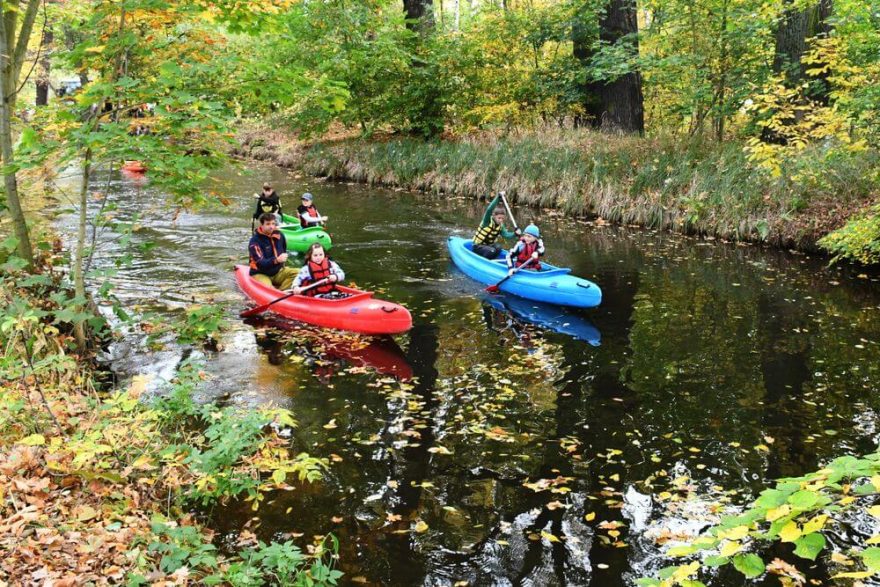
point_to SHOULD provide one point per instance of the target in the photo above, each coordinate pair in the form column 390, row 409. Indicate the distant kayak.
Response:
column 134, row 166
column 299, row 239
column 553, row 285
column 546, row 316
column 359, row 312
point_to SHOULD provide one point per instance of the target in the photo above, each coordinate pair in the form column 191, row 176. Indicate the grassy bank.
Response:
column 99, row 485
column 697, row 188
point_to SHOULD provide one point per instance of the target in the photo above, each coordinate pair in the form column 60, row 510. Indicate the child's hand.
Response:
column 535, row 255
column 282, row 258
column 333, row 278
column 297, row 291
column 510, row 272
column 517, row 232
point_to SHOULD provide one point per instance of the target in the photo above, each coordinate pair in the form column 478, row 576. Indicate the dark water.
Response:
column 485, row 448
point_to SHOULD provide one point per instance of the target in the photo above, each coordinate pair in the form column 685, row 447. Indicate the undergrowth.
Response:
column 96, row 484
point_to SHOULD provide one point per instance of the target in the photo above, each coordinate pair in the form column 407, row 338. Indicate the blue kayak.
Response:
column 551, row 284
column 546, row 316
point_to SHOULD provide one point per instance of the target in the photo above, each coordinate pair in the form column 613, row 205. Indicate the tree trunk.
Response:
column 795, row 28
column 43, row 69
column 13, row 47
column 79, row 281
column 419, row 15
column 613, row 105
column 428, row 121
column 617, row 105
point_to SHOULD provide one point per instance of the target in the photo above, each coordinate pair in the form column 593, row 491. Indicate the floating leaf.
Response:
column 749, row 565
column 790, row 532
column 809, row 546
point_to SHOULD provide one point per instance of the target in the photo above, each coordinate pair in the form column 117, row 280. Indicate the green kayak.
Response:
column 299, row 239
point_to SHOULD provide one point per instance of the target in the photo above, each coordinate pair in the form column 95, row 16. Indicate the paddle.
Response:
column 264, row 307
column 494, row 288
column 509, row 213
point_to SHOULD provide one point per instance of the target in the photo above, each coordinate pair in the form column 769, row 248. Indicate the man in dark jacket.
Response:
column 268, row 253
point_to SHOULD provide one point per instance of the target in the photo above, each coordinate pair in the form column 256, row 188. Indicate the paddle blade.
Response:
column 493, row 289
column 254, row 311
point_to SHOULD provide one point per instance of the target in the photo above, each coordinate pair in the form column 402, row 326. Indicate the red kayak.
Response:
column 359, row 312
column 134, row 166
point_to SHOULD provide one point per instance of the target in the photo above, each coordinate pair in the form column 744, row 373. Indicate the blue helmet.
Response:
column 307, row 196
column 532, row 230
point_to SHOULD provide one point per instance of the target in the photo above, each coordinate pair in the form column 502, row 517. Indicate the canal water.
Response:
column 502, row 442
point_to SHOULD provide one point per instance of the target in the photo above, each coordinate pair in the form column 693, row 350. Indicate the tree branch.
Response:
column 24, row 36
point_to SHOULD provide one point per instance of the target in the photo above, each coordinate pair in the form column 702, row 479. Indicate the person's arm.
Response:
column 305, row 216
column 303, row 275
column 336, row 270
column 263, row 263
column 511, row 255
column 487, row 215
column 259, row 210
column 507, row 233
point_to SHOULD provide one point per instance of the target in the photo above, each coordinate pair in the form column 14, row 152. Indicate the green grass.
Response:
column 663, row 182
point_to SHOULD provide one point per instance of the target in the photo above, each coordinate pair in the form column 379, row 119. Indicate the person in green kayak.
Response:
column 268, row 202
column 318, row 266
column 268, row 254
column 308, row 214
column 491, row 227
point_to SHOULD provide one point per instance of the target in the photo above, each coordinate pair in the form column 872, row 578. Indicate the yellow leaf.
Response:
column 96, row 49
column 815, row 524
column 847, row 500
column 874, row 510
column 776, row 513
column 855, row 575
column 685, row 571
column 330, row 425
column 730, row 548
column 549, row 536
column 590, row 517
column 790, row 532
column 875, row 539
column 737, row 533
column 33, row 440
column 421, row 526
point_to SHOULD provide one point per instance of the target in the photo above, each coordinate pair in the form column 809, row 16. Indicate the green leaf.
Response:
column 804, row 499
column 809, row 546
column 871, row 558
column 716, row 561
column 749, row 565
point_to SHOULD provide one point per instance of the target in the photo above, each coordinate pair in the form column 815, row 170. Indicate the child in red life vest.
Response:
column 318, row 266
column 530, row 246
column 308, row 214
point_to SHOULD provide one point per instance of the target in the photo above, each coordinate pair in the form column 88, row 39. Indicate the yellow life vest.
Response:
column 487, row 235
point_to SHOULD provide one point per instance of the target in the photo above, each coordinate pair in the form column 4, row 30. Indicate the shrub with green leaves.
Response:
column 797, row 511
column 858, row 240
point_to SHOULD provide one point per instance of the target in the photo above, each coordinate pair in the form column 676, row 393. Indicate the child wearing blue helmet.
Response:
column 529, row 249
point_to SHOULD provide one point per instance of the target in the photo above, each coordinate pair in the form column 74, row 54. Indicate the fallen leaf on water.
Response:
column 330, row 425
column 421, row 526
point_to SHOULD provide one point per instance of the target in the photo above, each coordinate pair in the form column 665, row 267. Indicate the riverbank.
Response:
column 104, row 484
column 695, row 188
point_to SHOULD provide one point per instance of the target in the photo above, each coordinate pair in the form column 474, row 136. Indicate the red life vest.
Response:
column 313, row 212
column 319, row 271
column 525, row 253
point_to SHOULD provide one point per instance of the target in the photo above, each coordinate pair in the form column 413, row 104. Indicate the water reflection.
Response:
column 495, row 443
column 505, row 312
column 327, row 352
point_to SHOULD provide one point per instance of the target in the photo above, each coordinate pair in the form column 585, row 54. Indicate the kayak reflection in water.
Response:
column 319, row 267
column 520, row 314
column 327, row 352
